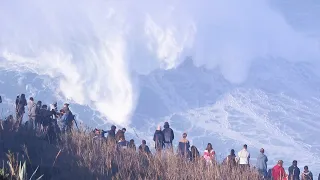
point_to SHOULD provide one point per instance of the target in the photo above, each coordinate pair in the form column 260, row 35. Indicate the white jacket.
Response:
column 244, row 156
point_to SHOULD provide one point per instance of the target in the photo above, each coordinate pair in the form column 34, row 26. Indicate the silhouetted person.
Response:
column 45, row 115
column 168, row 136
column 22, row 102
column 158, row 139
column 231, row 159
column 195, row 155
column 183, row 147
column 67, row 119
column 120, row 133
column 38, row 116
column 111, row 138
column 143, row 148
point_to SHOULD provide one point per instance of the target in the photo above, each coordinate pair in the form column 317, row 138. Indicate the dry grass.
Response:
column 77, row 156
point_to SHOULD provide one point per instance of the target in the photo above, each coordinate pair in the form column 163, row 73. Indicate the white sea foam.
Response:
column 93, row 47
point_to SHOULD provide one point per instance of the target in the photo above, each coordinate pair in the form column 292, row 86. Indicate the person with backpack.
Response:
column 209, row 154
column 22, row 102
column 68, row 119
column 294, row 171
column 158, row 139
column 230, row 160
column 261, row 165
column 32, row 113
column 144, row 149
column 168, row 136
column 183, row 147
column 306, row 174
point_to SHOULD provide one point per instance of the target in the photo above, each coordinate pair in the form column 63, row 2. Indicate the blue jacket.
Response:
column 262, row 162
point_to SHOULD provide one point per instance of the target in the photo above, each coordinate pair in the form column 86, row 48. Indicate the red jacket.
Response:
column 278, row 173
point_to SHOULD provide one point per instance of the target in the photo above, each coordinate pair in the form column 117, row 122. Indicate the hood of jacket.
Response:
column 166, row 125
column 261, row 156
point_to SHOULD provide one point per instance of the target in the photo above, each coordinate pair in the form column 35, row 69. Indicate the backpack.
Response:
column 0, row 99
column 167, row 135
column 70, row 117
column 158, row 141
column 269, row 175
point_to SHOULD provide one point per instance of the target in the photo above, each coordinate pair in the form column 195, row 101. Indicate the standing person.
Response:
column 209, row 154
column 22, row 102
column 122, row 144
column 45, row 115
column 38, row 116
column 168, row 136
column 244, row 157
column 194, row 153
column 294, row 171
column 68, row 119
column 111, row 138
column 32, row 113
column 132, row 145
column 306, row 174
column 17, row 102
column 143, row 148
column 261, row 166
column 183, row 147
column 231, row 159
column 158, row 139
column 54, row 110
column 120, row 133
column 278, row 172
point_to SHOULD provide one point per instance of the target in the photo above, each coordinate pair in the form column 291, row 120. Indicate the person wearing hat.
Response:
column 261, row 165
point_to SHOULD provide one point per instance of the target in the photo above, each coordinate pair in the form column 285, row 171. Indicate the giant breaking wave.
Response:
column 96, row 48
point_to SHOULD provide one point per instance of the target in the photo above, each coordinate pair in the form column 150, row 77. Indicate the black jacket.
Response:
column 294, row 173
column 158, row 138
column 168, row 135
